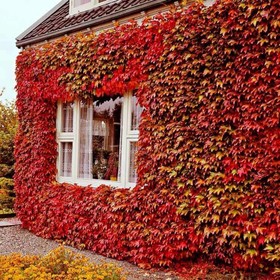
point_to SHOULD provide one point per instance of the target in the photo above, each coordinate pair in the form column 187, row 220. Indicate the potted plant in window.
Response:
column 114, row 174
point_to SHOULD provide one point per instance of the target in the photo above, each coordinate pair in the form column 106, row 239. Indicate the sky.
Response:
column 16, row 17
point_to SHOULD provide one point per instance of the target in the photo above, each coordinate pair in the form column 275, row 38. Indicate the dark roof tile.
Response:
column 59, row 22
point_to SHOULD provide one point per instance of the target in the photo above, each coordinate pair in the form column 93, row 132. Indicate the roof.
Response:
column 57, row 22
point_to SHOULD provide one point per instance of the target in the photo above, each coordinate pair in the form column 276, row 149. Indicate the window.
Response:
column 98, row 141
column 77, row 6
column 208, row 3
column 80, row 2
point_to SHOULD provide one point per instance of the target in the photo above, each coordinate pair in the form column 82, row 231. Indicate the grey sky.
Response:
column 16, row 17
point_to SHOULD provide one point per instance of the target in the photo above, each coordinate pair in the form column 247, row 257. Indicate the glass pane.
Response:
column 136, row 111
column 100, row 133
column 67, row 117
column 85, row 165
column 66, row 159
column 80, row 2
column 132, row 162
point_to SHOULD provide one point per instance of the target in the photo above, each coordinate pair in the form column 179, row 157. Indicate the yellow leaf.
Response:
column 223, row 31
column 255, row 21
column 251, row 252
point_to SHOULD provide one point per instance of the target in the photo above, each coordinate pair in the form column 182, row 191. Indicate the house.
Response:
column 149, row 130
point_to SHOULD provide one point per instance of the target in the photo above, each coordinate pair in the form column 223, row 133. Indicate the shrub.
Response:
column 6, row 171
column 6, row 184
column 8, row 126
column 7, row 196
column 8, row 120
column 60, row 263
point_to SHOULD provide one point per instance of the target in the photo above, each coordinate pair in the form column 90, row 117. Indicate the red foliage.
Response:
column 209, row 137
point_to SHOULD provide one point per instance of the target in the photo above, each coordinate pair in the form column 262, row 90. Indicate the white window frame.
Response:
column 127, row 136
column 87, row 6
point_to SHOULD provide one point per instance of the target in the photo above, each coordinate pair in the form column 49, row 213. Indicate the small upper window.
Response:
column 77, row 6
column 80, row 2
column 208, row 3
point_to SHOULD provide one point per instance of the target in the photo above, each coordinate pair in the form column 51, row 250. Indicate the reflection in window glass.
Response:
column 80, row 2
column 67, row 117
column 132, row 162
column 66, row 164
column 100, row 131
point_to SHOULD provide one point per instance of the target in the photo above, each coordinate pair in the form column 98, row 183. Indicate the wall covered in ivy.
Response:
column 209, row 145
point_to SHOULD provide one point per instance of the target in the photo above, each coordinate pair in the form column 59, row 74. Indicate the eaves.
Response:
column 21, row 43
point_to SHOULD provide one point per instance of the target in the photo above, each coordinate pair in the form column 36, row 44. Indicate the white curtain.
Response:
column 132, row 162
column 120, row 147
column 67, row 116
column 67, row 147
column 136, row 111
column 85, row 160
column 66, row 168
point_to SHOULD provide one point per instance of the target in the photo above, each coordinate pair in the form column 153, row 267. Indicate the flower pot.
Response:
column 113, row 178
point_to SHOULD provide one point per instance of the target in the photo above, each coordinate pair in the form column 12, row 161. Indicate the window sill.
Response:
column 95, row 183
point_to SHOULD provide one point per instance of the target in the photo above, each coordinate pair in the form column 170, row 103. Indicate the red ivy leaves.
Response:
column 209, row 137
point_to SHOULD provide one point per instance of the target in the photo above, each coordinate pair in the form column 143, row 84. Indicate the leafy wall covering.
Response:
column 208, row 160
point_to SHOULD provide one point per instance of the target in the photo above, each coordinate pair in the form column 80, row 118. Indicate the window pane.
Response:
column 132, row 162
column 85, row 165
column 67, row 117
column 136, row 111
column 80, row 2
column 66, row 159
column 100, row 131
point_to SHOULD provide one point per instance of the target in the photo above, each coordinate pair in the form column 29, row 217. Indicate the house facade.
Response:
column 149, row 130
column 97, row 140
